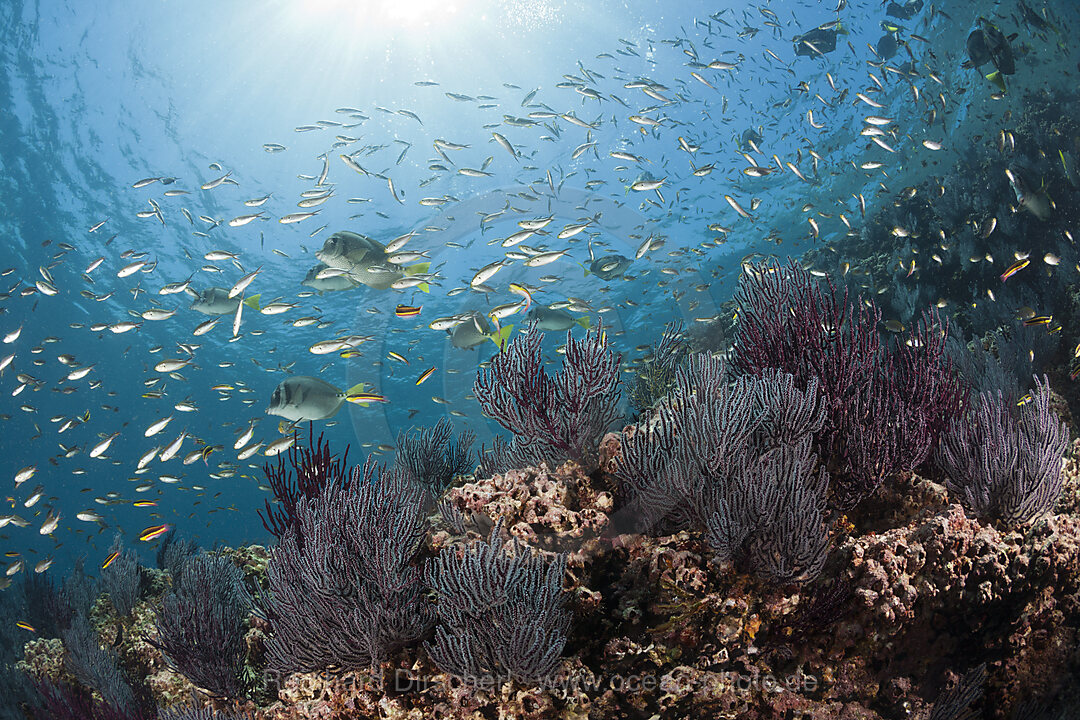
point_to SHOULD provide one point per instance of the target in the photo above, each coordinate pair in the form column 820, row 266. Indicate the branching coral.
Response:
column 344, row 590
column 95, row 666
column 200, row 626
column 66, row 702
column 501, row 612
column 303, row 472
column 769, row 515
column 735, row 459
column 434, row 457
column 195, row 712
column 656, row 375
column 553, row 418
column 1003, row 467
column 122, row 579
column 886, row 407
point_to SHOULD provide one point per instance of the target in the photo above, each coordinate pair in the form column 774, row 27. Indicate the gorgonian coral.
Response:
column 433, row 456
column 122, row 578
column 302, row 472
column 553, row 418
column 885, row 406
column 732, row 457
column 201, row 625
column 501, row 612
column 344, row 589
column 1003, row 466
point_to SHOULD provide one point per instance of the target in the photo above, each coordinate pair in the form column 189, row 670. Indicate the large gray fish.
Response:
column 365, row 259
column 303, row 398
column 609, row 267
column 216, row 301
column 820, row 40
column 555, row 320
column 477, row 330
column 328, row 284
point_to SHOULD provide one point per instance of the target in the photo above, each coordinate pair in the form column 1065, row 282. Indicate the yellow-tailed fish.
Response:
column 154, row 531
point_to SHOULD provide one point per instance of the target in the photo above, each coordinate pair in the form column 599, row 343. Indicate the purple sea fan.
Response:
column 768, row 515
column 1005, row 467
column 344, row 589
column 302, row 472
column 553, row 418
column 501, row 612
column 885, row 409
column 201, row 625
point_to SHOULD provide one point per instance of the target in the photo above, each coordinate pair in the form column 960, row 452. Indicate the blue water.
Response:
column 98, row 96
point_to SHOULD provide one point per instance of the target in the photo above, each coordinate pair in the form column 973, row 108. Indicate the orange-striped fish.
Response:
column 154, row 531
column 145, row 503
column 109, row 560
column 1039, row 320
column 366, row 398
column 1014, row 268
column 407, row 310
column 425, row 375
column 25, row 626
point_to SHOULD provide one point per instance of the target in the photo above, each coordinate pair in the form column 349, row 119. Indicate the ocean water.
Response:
column 271, row 95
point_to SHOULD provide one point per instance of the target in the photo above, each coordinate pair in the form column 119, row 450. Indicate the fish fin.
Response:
column 500, row 337
column 998, row 79
column 424, row 287
column 583, row 267
column 253, row 301
column 418, row 268
column 356, row 389
column 585, row 322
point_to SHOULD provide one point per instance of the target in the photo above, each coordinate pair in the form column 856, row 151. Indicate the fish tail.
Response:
column 418, row 268
column 585, row 322
column 998, row 79
column 253, row 301
column 500, row 337
column 353, row 392
column 424, row 287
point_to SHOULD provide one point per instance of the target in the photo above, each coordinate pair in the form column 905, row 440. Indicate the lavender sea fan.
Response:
column 1005, row 467
column 344, row 589
column 553, row 418
column 501, row 612
column 201, row 626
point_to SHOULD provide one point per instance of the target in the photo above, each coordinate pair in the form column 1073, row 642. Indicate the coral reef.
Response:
column 700, row 562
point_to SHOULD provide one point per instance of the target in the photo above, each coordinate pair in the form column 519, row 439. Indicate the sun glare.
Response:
column 384, row 13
